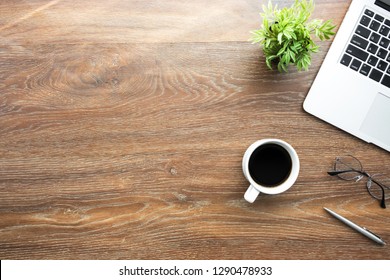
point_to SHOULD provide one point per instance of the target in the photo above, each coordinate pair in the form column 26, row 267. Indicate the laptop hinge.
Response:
column 385, row 4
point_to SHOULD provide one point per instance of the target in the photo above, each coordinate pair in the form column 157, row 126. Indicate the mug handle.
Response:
column 251, row 194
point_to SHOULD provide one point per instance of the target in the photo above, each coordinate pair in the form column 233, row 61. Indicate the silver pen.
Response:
column 360, row 229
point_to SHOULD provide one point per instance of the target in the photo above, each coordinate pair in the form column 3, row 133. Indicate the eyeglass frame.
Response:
column 364, row 173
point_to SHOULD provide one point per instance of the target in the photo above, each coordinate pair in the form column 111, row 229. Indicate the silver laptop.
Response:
column 352, row 88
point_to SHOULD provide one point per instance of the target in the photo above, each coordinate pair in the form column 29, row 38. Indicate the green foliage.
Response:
column 286, row 34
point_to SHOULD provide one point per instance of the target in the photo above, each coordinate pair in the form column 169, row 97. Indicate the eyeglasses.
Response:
column 349, row 168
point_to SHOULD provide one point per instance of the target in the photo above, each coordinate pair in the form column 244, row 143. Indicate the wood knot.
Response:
column 173, row 171
column 180, row 197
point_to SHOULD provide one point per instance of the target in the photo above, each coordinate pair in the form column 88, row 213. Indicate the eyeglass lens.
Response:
column 348, row 163
column 375, row 190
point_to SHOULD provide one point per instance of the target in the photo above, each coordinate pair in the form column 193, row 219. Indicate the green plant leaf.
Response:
column 287, row 35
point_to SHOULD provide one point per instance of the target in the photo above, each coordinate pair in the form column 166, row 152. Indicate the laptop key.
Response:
column 386, row 81
column 375, row 25
column 369, row 13
column 372, row 60
column 359, row 41
column 382, row 65
column 382, row 53
column 372, row 48
column 346, row 59
column 362, row 31
column 365, row 69
column 375, row 37
column 365, row 20
column 356, row 52
column 376, row 75
column 355, row 65
column 379, row 18
column 384, row 42
column 387, row 22
column 384, row 30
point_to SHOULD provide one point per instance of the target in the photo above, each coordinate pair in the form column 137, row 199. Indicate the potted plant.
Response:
column 286, row 34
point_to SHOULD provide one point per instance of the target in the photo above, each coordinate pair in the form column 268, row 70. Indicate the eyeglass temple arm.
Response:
column 334, row 173
column 383, row 204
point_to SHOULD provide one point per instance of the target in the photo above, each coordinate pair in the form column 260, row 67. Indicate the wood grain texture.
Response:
column 122, row 129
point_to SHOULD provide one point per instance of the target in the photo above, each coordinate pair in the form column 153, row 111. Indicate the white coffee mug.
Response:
column 256, row 187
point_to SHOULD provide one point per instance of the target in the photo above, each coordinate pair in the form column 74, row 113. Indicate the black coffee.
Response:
column 270, row 165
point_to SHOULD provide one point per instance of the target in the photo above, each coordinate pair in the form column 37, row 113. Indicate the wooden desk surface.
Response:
column 123, row 125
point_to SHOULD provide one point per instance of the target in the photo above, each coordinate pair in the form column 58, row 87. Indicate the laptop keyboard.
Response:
column 368, row 52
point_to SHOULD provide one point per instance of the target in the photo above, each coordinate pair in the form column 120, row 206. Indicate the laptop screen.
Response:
column 385, row 4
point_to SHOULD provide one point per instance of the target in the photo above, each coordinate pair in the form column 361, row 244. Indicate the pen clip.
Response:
column 366, row 229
